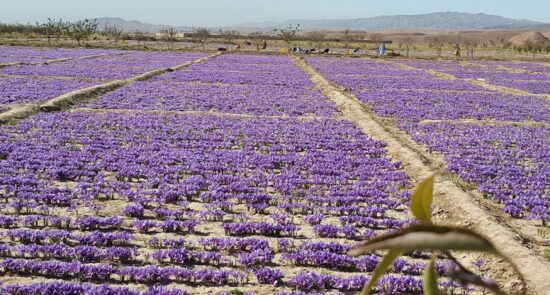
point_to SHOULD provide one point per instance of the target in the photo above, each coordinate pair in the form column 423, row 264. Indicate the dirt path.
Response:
column 489, row 122
column 452, row 203
column 506, row 90
column 210, row 113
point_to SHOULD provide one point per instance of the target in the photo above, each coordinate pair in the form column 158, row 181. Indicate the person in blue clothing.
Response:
column 382, row 49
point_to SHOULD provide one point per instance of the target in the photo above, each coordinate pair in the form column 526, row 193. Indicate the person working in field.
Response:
column 382, row 49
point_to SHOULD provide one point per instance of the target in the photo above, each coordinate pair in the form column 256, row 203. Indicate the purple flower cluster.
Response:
column 508, row 163
column 260, row 228
column 152, row 198
column 10, row 54
column 268, row 276
column 312, row 281
column 533, row 81
column 66, row 252
column 106, row 67
column 62, row 287
column 39, row 82
column 208, row 161
column 17, row 90
column 252, row 84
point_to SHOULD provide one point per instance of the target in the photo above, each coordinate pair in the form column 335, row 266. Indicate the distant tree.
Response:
column 376, row 37
column 504, row 44
column 256, row 35
column 345, row 36
column 228, row 35
column 317, row 37
column 535, row 47
column 12, row 29
column 29, row 30
column 168, row 35
column 54, row 28
column 257, row 39
column 140, row 36
column 407, row 44
column 47, row 30
column 288, row 34
column 201, row 35
column 470, row 47
column 113, row 33
column 82, row 29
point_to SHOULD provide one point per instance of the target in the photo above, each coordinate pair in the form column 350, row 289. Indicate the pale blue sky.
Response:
column 230, row 12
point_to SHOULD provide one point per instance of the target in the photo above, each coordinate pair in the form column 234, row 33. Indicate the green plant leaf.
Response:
column 427, row 237
column 421, row 200
column 464, row 276
column 380, row 270
column 430, row 278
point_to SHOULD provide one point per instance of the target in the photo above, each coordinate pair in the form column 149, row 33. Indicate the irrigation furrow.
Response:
column 208, row 113
column 489, row 122
column 453, row 202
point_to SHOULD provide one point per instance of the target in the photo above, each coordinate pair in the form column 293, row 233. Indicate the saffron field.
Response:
column 238, row 174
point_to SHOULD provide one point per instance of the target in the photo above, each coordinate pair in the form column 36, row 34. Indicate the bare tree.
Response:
column 113, row 33
column 258, row 39
column 228, row 35
column 168, row 35
column 29, row 32
column 48, row 30
column 532, row 47
column 82, row 29
column 345, row 36
column 289, row 33
column 201, row 35
column 140, row 36
column 317, row 37
column 407, row 44
column 54, row 28
column 376, row 37
column 256, row 35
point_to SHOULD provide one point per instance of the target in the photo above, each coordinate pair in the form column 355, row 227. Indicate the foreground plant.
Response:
column 436, row 238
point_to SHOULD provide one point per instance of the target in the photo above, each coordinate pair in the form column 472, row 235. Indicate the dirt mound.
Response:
column 535, row 37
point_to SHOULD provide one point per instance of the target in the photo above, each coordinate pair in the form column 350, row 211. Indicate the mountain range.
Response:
column 430, row 21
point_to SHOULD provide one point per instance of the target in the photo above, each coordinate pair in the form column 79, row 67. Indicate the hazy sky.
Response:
column 230, row 12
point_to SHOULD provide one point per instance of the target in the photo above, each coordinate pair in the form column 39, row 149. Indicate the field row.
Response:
column 507, row 162
column 34, row 83
column 237, row 172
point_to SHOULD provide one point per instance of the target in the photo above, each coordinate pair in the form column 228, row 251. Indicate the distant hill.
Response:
column 430, row 21
column 134, row 25
column 534, row 37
